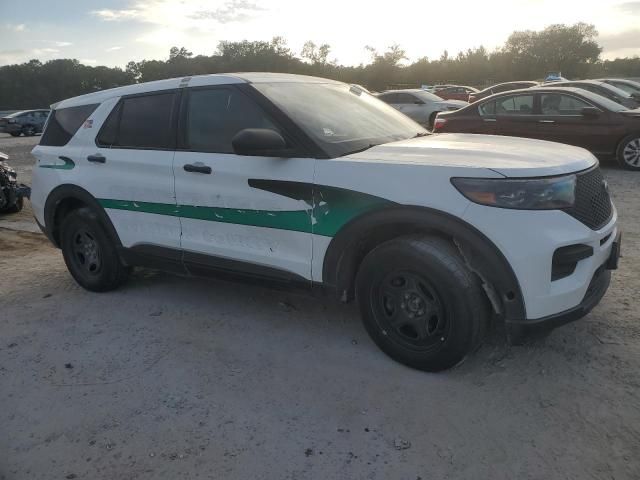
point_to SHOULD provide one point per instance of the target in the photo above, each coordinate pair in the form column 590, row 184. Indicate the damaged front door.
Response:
column 239, row 212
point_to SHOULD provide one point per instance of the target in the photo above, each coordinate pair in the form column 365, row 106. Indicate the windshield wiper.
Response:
column 421, row 134
column 358, row 150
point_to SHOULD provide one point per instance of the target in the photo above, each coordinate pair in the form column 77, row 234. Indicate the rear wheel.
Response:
column 29, row 131
column 89, row 252
column 628, row 153
column 420, row 303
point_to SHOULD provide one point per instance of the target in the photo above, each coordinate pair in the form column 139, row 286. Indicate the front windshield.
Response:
column 603, row 101
column 627, row 87
column 342, row 119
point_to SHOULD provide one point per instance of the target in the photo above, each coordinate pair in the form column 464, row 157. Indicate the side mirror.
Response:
column 590, row 112
column 261, row 142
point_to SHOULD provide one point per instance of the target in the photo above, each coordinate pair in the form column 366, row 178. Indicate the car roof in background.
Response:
column 189, row 81
column 510, row 83
column 15, row 114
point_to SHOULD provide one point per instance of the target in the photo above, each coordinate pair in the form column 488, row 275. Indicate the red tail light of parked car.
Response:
column 439, row 123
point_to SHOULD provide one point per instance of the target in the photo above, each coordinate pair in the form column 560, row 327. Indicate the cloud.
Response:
column 630, row 7
column 90, row 61
column 113, row 49
column 622, row 40
column 62, row 44
column 111, row 15
column 20, row 27
column 231, row 11
column 183, row 14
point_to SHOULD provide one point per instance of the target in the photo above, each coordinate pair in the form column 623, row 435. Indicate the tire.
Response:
column 432, row 120
column 425, row 277
column 15, row 208
column 15, row 134
column 628, row 152
column 89, row 252
column 29, row 130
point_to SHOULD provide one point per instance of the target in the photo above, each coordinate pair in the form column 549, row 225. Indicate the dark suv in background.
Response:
column 27, row 122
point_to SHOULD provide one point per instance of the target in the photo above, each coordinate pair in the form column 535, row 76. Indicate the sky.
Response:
column 113, row 32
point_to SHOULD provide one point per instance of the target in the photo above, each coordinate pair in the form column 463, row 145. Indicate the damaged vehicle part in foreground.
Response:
column 12, row 194
column 306, row 181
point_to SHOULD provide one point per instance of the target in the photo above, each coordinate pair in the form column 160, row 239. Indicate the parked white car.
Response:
column 310, row 182
column 420, row 105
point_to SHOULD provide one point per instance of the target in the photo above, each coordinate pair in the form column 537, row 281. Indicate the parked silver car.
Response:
column 420, row 105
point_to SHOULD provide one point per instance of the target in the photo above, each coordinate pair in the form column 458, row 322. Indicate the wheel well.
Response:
column 64, row 208
column 63, row 200
column 347, row 250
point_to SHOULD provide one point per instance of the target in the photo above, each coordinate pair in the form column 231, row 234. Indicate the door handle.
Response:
column 197, row 168
column 490, row 120
column 546, row 121
column 97, row 158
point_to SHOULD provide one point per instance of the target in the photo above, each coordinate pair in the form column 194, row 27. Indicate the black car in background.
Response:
column 629, row 86
column 603, row 89
column 26, row 122
column 499, row 88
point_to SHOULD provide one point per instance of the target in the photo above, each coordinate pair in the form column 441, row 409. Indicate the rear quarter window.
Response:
column 64, row 123
column 144, row 122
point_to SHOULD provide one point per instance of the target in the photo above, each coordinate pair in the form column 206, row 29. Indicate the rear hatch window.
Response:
column 64, row 123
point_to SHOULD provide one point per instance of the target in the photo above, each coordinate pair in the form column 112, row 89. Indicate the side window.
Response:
column 108, row 135
column 405, row 98
column 488, row 108
column 559, row 104
column 515, row 105
column 145, row 121
column 214, row 116
column 388, row 98
column 64, row 123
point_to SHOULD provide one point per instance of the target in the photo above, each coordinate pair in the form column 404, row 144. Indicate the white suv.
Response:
column 307, row 181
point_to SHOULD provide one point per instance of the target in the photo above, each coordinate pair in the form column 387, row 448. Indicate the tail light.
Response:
column 438, row 124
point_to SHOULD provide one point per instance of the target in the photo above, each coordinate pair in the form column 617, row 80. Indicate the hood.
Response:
column 509, row 156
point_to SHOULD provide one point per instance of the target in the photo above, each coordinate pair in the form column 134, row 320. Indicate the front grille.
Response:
column 593, row 204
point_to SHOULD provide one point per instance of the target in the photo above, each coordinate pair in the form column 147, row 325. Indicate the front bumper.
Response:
column 10, row 128
column 517, row 330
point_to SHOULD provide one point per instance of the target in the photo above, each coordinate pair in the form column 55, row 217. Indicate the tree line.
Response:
column 526, row 55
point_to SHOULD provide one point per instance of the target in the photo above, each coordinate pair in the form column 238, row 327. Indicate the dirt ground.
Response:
column 188, row 378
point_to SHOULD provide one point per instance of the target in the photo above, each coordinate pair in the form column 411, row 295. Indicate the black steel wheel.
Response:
column 420, row 303
column 409, row 308
column 89, row 252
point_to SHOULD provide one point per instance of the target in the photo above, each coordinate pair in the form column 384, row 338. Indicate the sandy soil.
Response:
column 188, row 378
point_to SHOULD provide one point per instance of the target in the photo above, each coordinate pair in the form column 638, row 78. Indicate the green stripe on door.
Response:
column 334, row 208
column 297, row 220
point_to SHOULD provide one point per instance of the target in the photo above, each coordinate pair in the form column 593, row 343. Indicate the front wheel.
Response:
column 89, row 252
column 628, row 153
column 420, row 303
column 15, row 134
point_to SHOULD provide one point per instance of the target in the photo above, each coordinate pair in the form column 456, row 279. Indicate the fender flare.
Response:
column 358, row 237
column 69, row 191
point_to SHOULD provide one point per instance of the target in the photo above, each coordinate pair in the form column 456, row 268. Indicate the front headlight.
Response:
column 521, row 193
